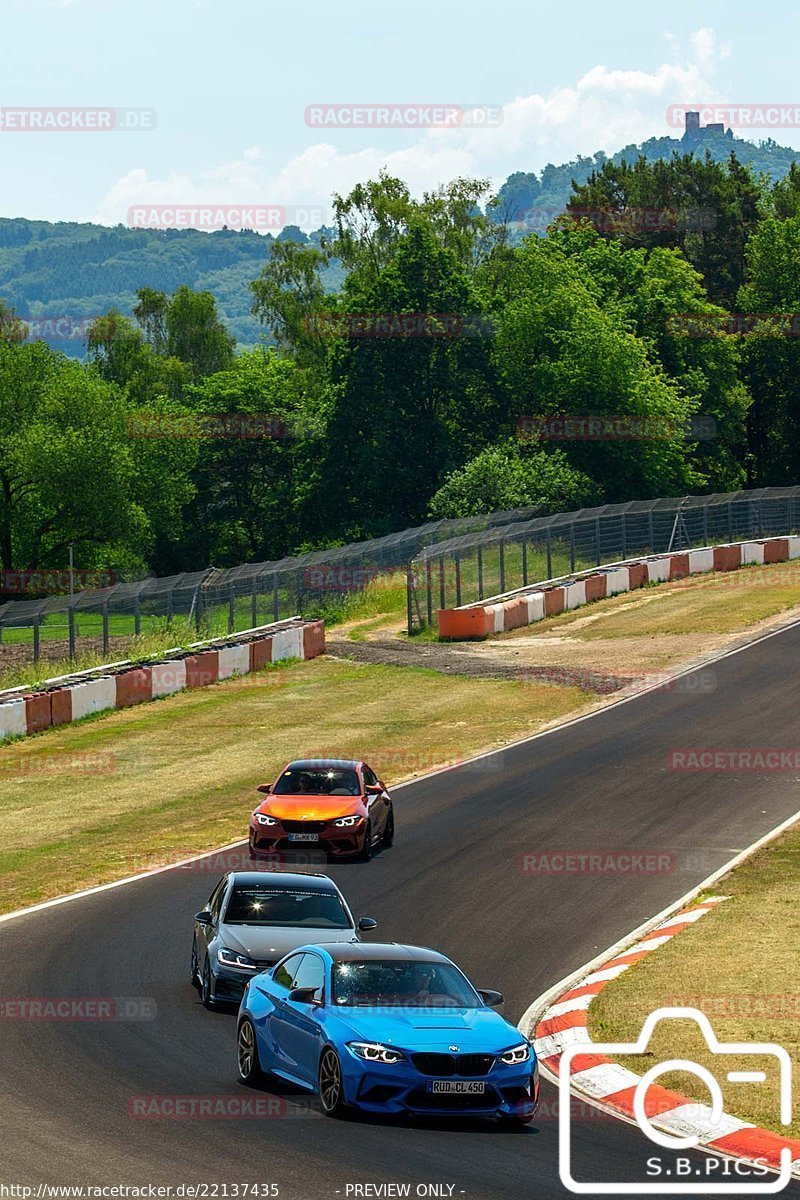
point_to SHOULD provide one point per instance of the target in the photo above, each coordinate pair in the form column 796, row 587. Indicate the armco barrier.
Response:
column 120, row 685
column 501, row 613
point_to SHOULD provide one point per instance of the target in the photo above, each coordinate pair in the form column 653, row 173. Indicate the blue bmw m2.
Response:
column 385, row 1028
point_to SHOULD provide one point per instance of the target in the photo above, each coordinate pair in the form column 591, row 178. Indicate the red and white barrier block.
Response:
column 530, row 604
column 564, row 1026
column 121, row 685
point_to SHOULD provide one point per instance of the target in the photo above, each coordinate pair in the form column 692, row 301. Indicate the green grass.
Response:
column 178, row 776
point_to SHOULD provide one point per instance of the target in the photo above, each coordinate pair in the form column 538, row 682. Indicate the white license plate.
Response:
column 303, row 837
column 464, row 1087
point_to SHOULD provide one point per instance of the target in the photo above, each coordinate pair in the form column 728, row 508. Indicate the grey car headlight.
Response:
column 263, row 819
column 376, row 1052
column 517, row 1055
column 232, row 958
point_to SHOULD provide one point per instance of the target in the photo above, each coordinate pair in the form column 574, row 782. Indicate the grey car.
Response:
column 254, row 918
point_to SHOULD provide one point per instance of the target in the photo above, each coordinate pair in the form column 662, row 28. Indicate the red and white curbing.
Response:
column 528, row 605
column 564, row 1024
column 121, row 685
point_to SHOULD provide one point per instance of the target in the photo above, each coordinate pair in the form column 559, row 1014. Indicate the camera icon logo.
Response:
column 695, row 1131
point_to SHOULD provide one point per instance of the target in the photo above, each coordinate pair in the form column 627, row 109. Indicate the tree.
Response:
column 514, row 475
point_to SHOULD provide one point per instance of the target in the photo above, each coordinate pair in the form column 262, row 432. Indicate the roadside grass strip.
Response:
column 611, row 1085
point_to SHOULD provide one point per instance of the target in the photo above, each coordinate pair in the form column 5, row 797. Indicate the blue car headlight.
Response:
column 515, row 1056
column 344, row 822
column 232, row 958
column 376, row 1052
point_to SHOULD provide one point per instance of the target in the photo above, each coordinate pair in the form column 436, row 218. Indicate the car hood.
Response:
column 478, row 1030
column 311, row 808
column 272, row 942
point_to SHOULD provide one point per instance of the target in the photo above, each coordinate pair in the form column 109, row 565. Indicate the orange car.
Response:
column 337, row 805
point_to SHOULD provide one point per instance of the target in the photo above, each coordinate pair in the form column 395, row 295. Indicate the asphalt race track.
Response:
column 453, row 880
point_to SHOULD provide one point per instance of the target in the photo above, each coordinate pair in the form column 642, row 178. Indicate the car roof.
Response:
column 309, row 763
column 372, row 951
column 312, row 882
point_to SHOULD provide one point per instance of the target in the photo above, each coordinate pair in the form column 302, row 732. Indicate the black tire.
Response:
column 247, row 1053
column 366, row 853
column 206, row 988
column 330, row 1084
column 388, row 833
column 194, row 974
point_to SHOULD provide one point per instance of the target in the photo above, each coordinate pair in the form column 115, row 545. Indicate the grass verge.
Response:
column 739, row 966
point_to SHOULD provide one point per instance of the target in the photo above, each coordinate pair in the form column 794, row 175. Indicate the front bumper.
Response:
column 338, row 843
column 373, row 1087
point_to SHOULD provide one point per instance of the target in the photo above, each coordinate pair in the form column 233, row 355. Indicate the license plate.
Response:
column 464, row 1087
column 303, row 837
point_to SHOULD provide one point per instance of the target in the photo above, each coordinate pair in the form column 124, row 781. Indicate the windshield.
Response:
column 266, row 905
column 318, row 781
column 399, row 984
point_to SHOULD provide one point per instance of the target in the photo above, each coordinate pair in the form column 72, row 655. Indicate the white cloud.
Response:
column 604, row 110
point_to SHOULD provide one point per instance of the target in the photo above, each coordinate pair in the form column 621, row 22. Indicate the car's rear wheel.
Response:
column 206, row 987
column 388, row 833
column 247, row 1052
column 366, row 850
column 331, row 1085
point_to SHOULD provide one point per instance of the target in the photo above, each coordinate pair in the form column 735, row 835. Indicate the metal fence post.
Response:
column 198, row 603
column 650, row 531
column 441, row 581
column 597, row 539
column 171, row 604
column 275, row 600
column 524, row 563
column 705, row 524
column 254, row 604
column 624, row 536
column 105, row 628
column 36, row 623
column 409, row 605
column 428, row 591
column 137, row 619
column 572, row 546
column 502, row 565
column 480, row 571
column 458, row 579
column 71, row 623
column 549, row 555
column 730, row 521
column 231, row 608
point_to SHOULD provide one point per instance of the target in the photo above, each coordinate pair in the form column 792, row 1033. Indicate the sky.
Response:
column 226, row 87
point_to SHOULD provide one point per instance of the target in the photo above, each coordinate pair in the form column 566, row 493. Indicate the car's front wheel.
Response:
column 193, row 970
column 365, row 854
column 388, row 831
column 331, row 1084
column 247, row 1052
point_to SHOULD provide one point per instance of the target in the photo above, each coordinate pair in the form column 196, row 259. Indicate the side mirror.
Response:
column 373, row 789
column 490, row 997
column 304, row 995
column 204, row 917
column 366, row 923
column 266, row 788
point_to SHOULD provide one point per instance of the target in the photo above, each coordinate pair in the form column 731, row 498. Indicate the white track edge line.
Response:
column 658, row 686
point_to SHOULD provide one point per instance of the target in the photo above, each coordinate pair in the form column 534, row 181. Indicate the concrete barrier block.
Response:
column 776, row 550
column 596, row 587
column 287, row 643
column 727, row 558
column 168, row 677
column 638, row 575
column 134, row 687
column 233, row 660
column 574, row 594
column 313, row 639
column 61, row 706
column 553, row 601
column 794, row 546
column 678, row 566
column 96, row 695
column 535, row 602
column 617, row 580
column 13, row 721
column 38, row 712
column 515, row 613
column 752, row 552
column 260, row 653
column 202, row 669
column 700, row 561
column 657, row 569
column 463, row 624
